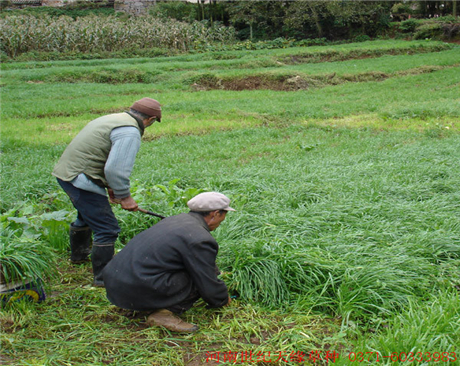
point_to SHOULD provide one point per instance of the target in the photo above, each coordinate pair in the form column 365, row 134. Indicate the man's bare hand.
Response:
column 128, row 204
column 229, row 300
column 112, row 199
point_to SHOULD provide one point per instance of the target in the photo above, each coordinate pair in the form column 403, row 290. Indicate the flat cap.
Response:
column 209, row 201
column 148, row 106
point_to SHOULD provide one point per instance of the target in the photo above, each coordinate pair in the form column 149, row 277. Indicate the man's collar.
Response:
column 199, row 218
column 139, row 121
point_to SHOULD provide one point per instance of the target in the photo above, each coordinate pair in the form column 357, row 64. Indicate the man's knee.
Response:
column 186, row 304
column 107, row 235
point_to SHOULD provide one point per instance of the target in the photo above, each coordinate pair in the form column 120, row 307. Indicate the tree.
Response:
column 246, row 12
column 307, row 17
column 337, row 19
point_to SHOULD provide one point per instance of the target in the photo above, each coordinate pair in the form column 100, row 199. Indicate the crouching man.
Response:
column 168, row 267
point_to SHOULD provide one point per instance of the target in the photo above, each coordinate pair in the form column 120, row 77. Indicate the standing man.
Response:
column 99, row 159
column 168, row 267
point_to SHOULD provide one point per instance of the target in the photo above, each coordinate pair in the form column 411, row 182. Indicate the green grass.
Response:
column 235, row 59
column 384, row 104
column 187, row 68
column 23, row 259
column 423, row 330
column 345, row 236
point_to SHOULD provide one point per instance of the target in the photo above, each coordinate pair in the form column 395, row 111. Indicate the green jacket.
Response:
column 89, row 150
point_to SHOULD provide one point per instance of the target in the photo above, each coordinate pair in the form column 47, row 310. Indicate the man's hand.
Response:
column 112, row 199
column 129, row 204
column 229, row 301
column 126, row 203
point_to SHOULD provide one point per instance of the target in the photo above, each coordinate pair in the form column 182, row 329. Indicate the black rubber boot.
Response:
column 80, row 243
column 100, row 256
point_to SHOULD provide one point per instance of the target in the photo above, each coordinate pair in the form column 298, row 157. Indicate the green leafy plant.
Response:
column 428, row 31
column 51, row 227
column 176, row 195
column 409, row 25
column 55, row 229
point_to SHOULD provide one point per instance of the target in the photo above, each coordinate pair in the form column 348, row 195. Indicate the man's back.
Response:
column 162, row 265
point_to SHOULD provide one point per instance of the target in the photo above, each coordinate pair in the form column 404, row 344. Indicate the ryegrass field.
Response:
column 343, row 163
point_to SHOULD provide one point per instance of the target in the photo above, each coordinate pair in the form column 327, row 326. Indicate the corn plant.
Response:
column 26, row 33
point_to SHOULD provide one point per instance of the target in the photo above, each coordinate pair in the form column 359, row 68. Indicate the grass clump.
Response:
column 24, row 259
column 426, row 332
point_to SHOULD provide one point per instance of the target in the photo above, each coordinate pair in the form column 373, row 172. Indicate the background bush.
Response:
column 442, row 28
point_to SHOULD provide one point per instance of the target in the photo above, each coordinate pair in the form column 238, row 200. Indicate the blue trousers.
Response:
column 94, row 211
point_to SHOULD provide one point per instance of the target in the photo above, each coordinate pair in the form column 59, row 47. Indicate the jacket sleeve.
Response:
column 126, row 142
column 200, row 263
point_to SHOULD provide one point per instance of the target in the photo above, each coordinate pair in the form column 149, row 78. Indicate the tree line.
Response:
column 341, row 19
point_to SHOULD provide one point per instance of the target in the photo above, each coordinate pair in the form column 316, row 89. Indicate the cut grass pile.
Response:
column 345, row 237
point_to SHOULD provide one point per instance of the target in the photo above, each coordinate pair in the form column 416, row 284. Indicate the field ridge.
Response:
column 297, row 82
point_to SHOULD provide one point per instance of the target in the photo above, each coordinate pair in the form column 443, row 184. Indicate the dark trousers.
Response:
column 186, row 304
column 94, row 211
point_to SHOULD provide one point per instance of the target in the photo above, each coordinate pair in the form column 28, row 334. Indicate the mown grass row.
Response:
column 86, row 329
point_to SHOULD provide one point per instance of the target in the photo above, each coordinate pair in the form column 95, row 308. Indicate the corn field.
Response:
column 25, row 33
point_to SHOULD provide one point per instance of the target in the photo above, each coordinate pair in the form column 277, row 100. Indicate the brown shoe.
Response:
column 169, row 320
